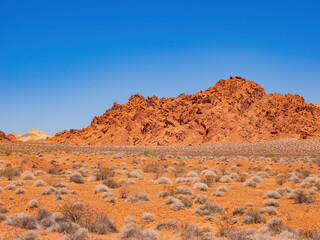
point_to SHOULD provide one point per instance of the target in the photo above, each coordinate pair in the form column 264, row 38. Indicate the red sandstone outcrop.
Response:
column 3, row 136
column 233, row 110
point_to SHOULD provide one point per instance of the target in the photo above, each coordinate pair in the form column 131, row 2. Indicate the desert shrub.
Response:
column 27, row 175
column 186, row 201
column 208, row 209
column 133, row 231
column 163, row 194
column 225, row 179
column 39, row 183
column 109, row 197
column 271, row 202
column 76, row 178
column 250, row 183
column 135, row 174
column 18, row 183
column 103, row 172
column 20, row 191
column 300, row 197
column 254, row 216
column 200, row 198
column 30, row 235
column 111, row 183
column 79, row 234
column 152, row 167
column 163, row 180
column 167, row 225
column 48, row 190
column 222, row 189
column 268, row 210
column 101, row 188
column 62, row 191
column 192, row 174
column 33, row 203
column 217, row 194
column 75, row 212
column 21, row 220
column 92, row 179
column 188, row 231
column 312, row 190
column 10, row 187
column 178, row 172
column 200, row 186
column 238, row 210
column 9, row 172
column 272, row 194
column 3, row 210
column 136, row 197
column 275, row 225
column 281, row 191
column 174, row 203
column 99, row 223
column 53, row 171
column 148, row 217
column 148, row 153
column 124, row 191
column 184, row 190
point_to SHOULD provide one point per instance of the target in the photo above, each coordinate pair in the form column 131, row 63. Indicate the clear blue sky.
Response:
column 63, row 62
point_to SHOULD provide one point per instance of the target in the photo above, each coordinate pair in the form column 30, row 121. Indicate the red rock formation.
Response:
column 234, row 110
column 3, row 136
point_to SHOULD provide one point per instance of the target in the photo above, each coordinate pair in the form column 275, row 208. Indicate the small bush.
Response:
column 184, row 190
column 100, row 188
column 238, row 211
column 268, row 210
column 136, row 197
column 20, row 191
column 167, row 225
column 148, row 153
column 99, row 223
column 30, row 235
column 34, row 203
column 111, row 183
column 39, row 183
column 27, row 176
column 76, row 178
column 21, row 220
column 272, row 194
column 250, row 183
column 200, row 186
column 255, row 216
column 271, row 202
column 109, row 197
column 148, row 217
column 222, row 189
column 163, row 180
column 207, row 209
column 300, row 197
column 276, row 225
column 80, row 234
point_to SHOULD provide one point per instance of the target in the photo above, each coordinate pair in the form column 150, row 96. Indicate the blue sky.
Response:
column 64, row 62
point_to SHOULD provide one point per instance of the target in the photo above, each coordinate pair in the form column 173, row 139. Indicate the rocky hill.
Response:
column 233, row 110
column 3, row 136
column 33, row 134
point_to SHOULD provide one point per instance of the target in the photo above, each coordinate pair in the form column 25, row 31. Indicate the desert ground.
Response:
column 229, row 191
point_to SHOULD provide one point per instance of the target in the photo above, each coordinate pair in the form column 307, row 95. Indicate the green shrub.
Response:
column 148, row 152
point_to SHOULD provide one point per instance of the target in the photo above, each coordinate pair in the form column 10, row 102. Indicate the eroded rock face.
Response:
column 234, row 110
column 3, row 136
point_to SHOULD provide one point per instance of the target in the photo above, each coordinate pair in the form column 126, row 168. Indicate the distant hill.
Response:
column 233, row 110
column 33, row 134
